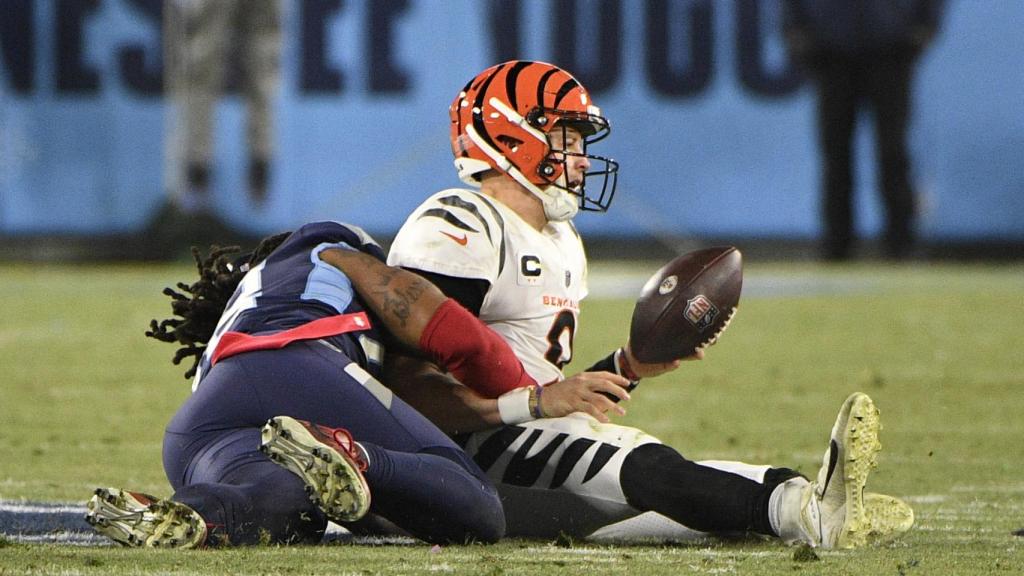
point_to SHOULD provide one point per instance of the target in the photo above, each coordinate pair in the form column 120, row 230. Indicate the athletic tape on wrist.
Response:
column 514, row 406
column 622, row 367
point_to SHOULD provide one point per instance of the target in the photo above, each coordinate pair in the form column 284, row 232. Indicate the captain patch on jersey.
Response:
column 531, row 271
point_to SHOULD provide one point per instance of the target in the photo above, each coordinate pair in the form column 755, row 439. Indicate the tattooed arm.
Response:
column 483, row 365
column 402, row 300
column 420, row 316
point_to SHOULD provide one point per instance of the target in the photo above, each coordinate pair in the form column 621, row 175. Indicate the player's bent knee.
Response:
column 486, row 525
column 491, row 531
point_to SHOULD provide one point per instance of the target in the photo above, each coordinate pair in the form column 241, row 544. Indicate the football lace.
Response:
column 725, row 324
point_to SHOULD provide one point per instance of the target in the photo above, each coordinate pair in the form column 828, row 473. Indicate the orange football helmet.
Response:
column 501, row 121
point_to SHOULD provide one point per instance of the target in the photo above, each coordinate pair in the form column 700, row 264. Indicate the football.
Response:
column 686, row 304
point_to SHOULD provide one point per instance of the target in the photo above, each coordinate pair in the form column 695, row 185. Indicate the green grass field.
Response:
column 940, row 349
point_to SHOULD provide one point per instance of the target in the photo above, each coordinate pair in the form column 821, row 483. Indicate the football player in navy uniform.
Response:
column 507, row 250
column 288, row 425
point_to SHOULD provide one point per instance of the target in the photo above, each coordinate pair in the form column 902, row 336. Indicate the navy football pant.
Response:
column 419, row 479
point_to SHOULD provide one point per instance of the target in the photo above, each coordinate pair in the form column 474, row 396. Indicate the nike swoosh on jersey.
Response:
column 461, row 241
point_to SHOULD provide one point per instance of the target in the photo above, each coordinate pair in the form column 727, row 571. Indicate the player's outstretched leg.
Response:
column 137, row 519
column 832, row 513
column 888, row 517
column 327, row 460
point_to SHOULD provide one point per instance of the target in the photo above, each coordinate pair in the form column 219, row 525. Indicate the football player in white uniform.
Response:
column 521, row 133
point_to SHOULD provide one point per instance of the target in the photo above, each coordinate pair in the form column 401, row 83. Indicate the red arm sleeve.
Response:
column 475, row 354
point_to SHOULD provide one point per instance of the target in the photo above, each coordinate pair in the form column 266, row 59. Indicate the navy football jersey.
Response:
column 292, row 287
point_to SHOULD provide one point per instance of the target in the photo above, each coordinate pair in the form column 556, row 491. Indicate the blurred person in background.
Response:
column 863, row 53
column 200, row 37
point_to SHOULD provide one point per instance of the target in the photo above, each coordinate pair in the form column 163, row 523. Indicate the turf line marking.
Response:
column 40, row 508
column 64, row 523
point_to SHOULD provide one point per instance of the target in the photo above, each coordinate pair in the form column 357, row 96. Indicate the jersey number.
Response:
column 560, row 339
column 243, row 299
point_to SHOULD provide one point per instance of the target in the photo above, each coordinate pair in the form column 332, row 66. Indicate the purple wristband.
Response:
column 538, row 411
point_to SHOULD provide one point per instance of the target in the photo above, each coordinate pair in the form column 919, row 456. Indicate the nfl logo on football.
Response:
column 700, row 312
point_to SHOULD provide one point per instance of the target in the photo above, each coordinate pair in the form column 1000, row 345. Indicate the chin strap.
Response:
column 559, row 206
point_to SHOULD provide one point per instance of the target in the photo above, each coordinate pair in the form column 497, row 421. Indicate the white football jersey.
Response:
column 537, row 278
column 556, row 476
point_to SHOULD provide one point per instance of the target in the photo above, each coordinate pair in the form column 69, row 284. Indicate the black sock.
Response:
column 656, row 478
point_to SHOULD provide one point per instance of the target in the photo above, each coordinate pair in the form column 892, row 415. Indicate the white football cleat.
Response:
column 137, row 519
column 832, row 510
column 327, row 460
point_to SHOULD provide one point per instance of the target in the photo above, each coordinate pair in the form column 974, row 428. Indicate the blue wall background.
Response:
column 363, row 129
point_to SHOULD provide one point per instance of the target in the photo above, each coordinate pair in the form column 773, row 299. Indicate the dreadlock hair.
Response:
column 198, row 306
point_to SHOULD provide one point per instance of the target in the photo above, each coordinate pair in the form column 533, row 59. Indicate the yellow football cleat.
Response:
column 327, row 460
column 832, row 511
column 888, row 517
column 137, row 519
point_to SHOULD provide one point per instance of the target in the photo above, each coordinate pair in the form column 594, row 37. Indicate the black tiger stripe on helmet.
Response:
column 501, row 121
